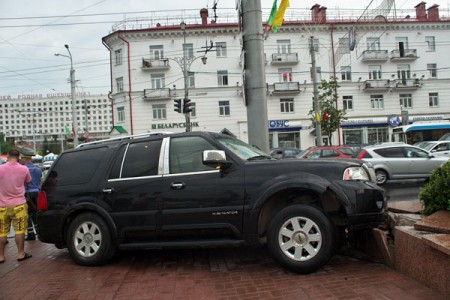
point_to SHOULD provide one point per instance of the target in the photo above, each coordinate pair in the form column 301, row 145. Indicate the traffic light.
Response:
column 187, row 106
column 177, row 105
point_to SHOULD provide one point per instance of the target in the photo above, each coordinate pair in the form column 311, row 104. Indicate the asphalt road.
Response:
column 404, row 190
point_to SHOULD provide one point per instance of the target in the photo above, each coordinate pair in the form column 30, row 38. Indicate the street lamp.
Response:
column 72, row 92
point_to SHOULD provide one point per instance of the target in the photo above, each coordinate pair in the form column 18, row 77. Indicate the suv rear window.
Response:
column 78, row 167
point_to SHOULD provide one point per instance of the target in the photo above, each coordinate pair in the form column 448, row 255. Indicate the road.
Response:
column 404, row 190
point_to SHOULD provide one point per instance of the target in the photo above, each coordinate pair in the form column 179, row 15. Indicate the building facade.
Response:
column 33, row 118
column 387, row 68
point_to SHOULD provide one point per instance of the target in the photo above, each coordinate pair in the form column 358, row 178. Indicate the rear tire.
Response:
column 381, row 176
column 89, row 240
column 301, row 238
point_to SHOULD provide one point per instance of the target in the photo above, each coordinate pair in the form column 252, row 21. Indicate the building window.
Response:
column 118, row 56
column 343, row 46
column 406, row 100
column 193, row 110
column 121, row 114
column 402, row 43
column 373, row 44
column 346, row 73
column 434, row 99
column 188, row 50
column 158, row 81
column 222, row 77
column 432, row 69
column 284, row 46
column 376, row 101
column 156, row 52
column 119, row 84
column 221, row 49
column 191, row 79
column 287, row 105
column 159, row 111
column 347, row 102
column 224, row 108
column 375, row 72
column 431, row 44
column 285, row 74
column 403, row 73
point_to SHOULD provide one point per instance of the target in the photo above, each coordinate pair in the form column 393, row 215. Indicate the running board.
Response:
column 182, row 244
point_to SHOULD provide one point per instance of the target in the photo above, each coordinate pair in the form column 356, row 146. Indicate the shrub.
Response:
column 435, row 194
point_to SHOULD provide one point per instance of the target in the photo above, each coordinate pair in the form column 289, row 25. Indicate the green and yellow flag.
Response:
column 273, row 12
column 278, row 20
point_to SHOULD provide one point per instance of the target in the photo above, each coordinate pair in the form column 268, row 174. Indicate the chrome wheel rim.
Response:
column 381, row 177
column 88, row 239
column 300, row 239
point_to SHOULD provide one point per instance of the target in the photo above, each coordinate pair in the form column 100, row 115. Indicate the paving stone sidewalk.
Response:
column 236, row 273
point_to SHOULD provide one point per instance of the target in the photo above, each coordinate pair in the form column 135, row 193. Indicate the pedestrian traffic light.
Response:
column 177, row 105
column 187, row 106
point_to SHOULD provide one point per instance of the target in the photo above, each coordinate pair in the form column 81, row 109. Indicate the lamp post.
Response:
column 72, row 93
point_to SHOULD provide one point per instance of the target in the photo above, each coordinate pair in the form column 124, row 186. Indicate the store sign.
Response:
column 278, row 123
column 173, row 125
column 427, row 118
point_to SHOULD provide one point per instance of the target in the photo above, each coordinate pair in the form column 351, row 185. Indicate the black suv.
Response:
column 202, row 189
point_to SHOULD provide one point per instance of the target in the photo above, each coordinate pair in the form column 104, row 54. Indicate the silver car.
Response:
column 438, row 148
column 399, row 161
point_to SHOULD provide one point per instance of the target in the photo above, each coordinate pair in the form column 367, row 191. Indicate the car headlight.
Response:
column 355, row 173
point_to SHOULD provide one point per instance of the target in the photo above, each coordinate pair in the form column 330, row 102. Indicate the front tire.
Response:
column 301, row 238
column 89, row 240
column 381, row 176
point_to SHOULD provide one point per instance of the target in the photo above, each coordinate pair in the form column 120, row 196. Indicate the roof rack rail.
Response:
column 120, row 138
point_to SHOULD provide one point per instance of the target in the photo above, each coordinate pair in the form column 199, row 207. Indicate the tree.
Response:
column 5, row 144
column 329, row 116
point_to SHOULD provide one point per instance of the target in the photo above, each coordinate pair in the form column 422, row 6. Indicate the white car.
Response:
column 438, row 148
column 47, row 164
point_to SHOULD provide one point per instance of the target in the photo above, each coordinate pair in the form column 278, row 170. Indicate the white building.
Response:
column 397, row 64
column 44, row 116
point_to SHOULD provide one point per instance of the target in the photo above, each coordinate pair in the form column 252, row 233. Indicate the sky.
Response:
column 31, row 32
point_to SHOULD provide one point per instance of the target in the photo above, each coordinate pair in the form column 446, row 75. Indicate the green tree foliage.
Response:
column 5, row 145
column 330, row 116
column 435, row 194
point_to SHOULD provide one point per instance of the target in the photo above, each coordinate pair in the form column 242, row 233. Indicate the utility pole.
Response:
column 187, row 115
column 315, row 92
column 255, row 75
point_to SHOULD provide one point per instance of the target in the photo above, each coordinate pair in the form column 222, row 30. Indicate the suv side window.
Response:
column 329, row 153
column 186, row 154
column 391, row 152
column 141, row 159
column 82, row 164
column 412, row 152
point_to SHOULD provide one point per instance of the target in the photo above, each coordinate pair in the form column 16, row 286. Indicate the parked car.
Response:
column 438, row 148
column 47, row 164
column 283, row 153
column 327, row 152
column 445, row 137
column 399, row 161
column 200, row 189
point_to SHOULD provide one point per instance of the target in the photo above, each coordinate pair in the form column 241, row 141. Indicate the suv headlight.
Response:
column 356, row 173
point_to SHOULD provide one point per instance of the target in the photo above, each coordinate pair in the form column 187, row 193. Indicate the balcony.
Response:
column 284, row 58
column 155, row 64
column 375, row 56
column 286, row 88
column 406, row 55
column 157, row 94
column 377, row 85
column 408, row 84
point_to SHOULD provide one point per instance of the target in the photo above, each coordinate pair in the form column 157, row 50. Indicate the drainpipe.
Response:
column 334, row 75
column 129, row 82
column 111, row 82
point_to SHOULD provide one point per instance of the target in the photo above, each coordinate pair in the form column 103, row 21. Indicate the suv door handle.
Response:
column 108, row 190
column 177, row 185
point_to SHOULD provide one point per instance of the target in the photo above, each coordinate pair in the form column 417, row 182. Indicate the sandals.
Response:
column 26, row 256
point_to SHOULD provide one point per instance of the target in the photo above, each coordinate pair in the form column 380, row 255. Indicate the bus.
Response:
column 419, row 132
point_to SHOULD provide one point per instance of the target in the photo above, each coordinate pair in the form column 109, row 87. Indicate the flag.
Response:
column 66, row 129
column 317, row 117
column 325, row 117
column 273, row 12
column 278, row 20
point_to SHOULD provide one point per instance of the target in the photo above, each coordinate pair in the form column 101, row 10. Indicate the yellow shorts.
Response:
column 17, row 216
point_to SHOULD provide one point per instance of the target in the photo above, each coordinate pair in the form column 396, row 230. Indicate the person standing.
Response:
column 13, row 206
column 31, row 192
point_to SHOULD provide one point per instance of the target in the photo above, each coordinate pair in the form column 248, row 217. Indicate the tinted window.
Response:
column 329, row 153
column 390, row 152
column 115, row 171
column 186, row 154
column 77, row 167
column 313, row 154
column 141, row 159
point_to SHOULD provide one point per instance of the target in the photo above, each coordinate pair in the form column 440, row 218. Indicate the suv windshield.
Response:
column 243, row 150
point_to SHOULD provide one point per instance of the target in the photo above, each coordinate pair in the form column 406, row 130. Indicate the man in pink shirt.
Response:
column 13, row 206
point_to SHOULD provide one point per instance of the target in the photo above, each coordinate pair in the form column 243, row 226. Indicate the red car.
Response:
column 327, row 152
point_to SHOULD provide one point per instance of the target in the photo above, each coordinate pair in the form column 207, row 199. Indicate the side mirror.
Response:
column 216, row 159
